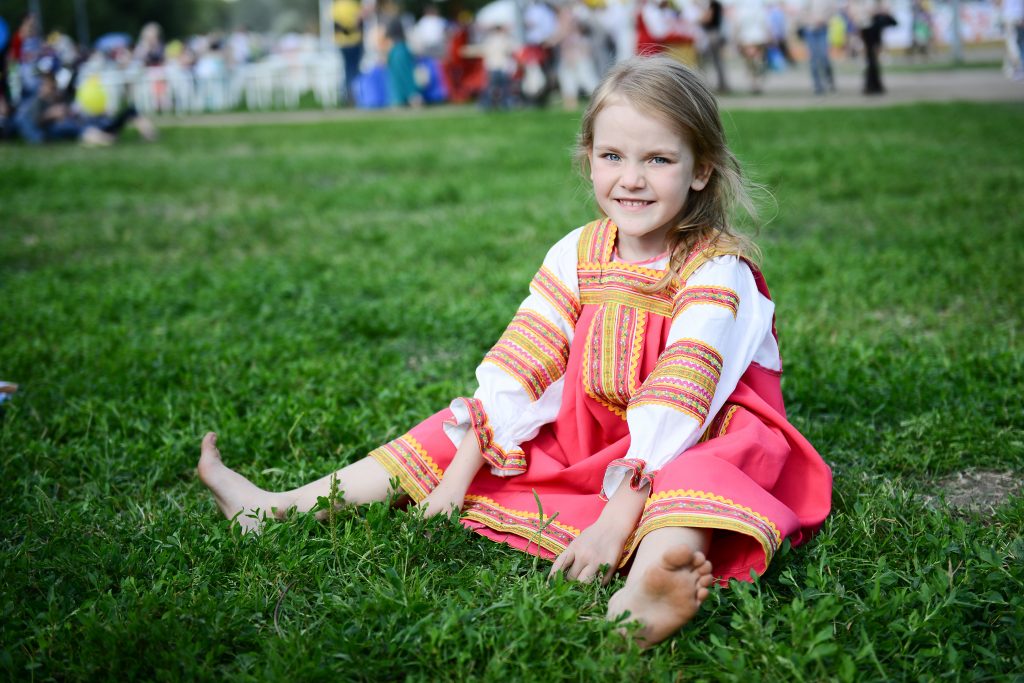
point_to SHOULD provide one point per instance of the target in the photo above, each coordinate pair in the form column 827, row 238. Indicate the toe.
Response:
column 210, row 442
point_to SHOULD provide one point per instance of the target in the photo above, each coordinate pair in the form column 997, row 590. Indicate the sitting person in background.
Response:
column 49, row 115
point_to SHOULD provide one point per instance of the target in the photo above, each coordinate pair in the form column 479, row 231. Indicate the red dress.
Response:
column 596, row 383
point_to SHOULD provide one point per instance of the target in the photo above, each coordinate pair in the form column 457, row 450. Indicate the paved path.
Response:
column 792, row 89
column 787, row 90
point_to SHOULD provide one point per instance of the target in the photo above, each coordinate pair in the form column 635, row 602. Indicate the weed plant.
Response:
column 310, row 292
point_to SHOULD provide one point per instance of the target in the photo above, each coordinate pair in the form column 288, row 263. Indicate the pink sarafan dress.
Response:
column 597, row 384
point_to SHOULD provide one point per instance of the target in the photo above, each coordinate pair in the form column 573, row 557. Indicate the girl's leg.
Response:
column 667, row 583
column 364, row 481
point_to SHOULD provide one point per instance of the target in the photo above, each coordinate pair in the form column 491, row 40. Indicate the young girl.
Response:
column 636, row 392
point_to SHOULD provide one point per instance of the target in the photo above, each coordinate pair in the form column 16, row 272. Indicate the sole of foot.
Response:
column 666, row 597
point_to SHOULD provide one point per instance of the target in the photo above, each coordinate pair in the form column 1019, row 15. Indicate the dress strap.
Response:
column 597, row 242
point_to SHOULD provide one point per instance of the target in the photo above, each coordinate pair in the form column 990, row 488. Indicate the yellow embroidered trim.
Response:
column 597, row 241
column 695, row 521
column 649, row 303
column 712, row 296
column 697, row 258
column 727, row 420
column 532, row 350
column 555, row 536
column 704, row 520
column 616, row 337
column 561, row 298
column 684, row 379
column 392, row 460
column 718, row 426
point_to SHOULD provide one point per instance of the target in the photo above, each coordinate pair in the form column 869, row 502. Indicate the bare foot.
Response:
column 237, row 497
column 666, row 597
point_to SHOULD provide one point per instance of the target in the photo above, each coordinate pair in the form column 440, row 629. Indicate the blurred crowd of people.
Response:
column 511, row 53
column 523, row 53
column 42, row 99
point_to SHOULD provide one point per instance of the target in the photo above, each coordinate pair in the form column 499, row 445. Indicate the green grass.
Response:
column 312, row 291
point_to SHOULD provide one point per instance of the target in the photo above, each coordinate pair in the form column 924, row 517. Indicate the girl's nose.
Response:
column 632, row 176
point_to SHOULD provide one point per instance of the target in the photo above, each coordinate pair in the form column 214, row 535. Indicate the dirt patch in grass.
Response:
column 976, row 490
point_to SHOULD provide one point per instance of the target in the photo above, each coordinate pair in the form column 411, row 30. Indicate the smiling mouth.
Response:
column 633, row 203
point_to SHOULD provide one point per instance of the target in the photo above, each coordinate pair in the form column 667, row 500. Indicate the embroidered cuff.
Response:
column 504, row 463
column 633, row 468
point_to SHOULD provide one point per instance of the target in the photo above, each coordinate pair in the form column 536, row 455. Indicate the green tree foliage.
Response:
column 178, row 19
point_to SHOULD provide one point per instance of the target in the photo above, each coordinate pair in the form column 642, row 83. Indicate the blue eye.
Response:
column 660, row 160
column 611, row 156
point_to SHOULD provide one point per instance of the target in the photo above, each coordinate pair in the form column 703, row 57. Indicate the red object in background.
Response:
column 465, row 77
column 646, row 44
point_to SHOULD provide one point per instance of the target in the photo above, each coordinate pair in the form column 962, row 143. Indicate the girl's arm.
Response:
column 450, row 493
column 597, row 551
column 521, row 378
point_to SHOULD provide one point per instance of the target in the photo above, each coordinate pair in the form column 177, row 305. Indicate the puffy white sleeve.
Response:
column 521, row 378
column 721, row 323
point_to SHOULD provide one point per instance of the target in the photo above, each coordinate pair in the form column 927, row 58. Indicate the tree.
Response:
column 178, row 19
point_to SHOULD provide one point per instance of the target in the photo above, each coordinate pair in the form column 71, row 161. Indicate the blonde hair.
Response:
column 662, row 87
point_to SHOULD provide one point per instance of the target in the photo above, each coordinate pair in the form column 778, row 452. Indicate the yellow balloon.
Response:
column 91, row 97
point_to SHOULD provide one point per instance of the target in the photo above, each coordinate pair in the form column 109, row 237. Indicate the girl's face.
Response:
column 642, row 172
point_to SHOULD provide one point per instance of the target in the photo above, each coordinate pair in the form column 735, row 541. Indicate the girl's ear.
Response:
column 701, row 177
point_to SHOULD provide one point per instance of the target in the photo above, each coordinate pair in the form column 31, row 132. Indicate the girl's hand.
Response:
column 450, row 493
column 443, row 500
column 601, row 543
column 594, row 554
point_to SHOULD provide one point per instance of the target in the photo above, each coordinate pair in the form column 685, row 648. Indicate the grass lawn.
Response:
column 310, row 292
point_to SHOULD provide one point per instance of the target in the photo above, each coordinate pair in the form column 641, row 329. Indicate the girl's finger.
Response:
column 606, row 578
column 588, row 574
column 561, row 562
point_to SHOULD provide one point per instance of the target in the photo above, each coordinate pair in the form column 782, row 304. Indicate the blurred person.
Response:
column 712, row 21
column 665, row 27
column 348, row 38
column 1012, row 13
column 655, row 26
column 815, row 19
column 6, row 102
column 576, row 71
column 240, row 50
column 401, row 65
column 778, row 26
column 874, row 19
column 25, row 48
column 750, row 31
column 149, row 50
column 618, row 18
column 211, row 72
column 540, row 24
column 430, row 34
column 921, row 29
column 60, row 44
column 602, row 43
column 463, row 67
column 498, row 50
column 843, row 34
